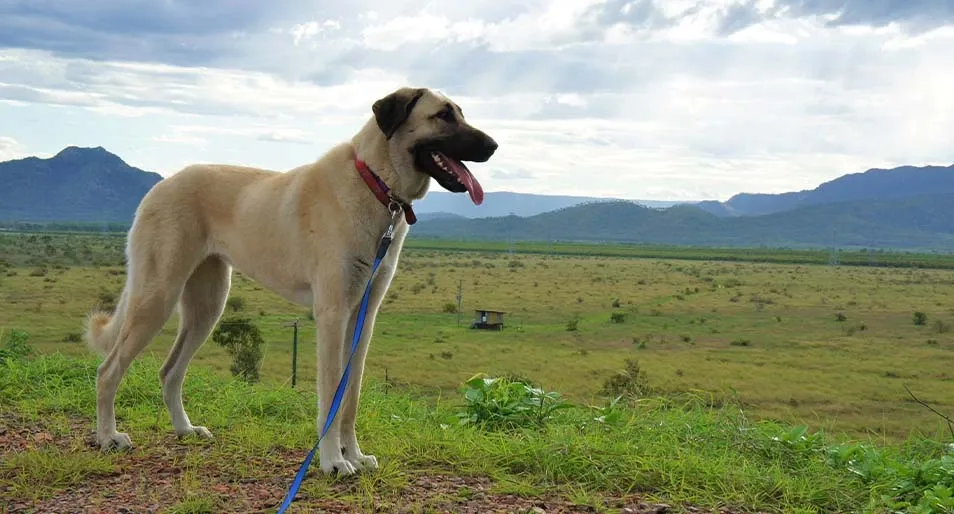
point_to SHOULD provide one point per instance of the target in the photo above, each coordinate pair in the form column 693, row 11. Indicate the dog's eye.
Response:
column 446, row 115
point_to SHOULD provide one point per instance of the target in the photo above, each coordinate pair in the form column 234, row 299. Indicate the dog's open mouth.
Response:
column 452, row 174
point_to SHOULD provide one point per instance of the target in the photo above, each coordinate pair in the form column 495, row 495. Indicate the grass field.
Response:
column 829, row 347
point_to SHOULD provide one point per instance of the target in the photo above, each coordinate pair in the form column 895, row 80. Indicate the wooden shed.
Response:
column 488, row 319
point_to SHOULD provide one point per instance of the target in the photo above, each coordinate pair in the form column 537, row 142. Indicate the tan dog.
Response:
column 309, row 234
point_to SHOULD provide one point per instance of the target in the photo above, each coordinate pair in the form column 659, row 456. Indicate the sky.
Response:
column 644, row 99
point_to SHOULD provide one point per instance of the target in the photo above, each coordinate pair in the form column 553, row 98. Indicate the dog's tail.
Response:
column 102, row 327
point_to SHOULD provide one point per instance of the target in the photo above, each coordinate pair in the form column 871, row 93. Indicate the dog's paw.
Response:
column 364, row 462
column 116, row 440
column 340, row 467
column 359, row 460
column 200, row 432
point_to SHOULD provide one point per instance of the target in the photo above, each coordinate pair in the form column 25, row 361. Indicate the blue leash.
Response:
column 342, row 384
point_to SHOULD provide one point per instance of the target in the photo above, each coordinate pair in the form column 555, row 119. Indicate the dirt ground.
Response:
column 153, row 482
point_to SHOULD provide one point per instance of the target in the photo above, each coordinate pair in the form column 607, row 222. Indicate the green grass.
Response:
column 766, row 334
column 851, row 257
column 787, row 344
column 679, row 451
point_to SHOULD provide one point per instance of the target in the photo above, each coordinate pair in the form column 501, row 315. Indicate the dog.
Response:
column 309, row 234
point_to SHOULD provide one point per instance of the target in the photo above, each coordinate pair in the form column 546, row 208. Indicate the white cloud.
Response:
column 307, row 31
column 10, row 149
column 654, row 100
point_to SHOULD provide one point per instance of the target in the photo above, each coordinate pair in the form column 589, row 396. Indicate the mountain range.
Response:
column 441, row 204
column 874, row 184
column 902, row 208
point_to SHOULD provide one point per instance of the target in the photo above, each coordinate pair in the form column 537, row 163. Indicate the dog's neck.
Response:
column 371, row 147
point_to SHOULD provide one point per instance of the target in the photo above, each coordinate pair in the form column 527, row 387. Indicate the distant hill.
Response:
column 906, row 207
column 874, row 184
column 506, row 203
column 917, row 222
column 77, row 184
column 92, row 184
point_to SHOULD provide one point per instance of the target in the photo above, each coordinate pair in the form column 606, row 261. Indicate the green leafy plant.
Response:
column 501, row 403
column 609, row 414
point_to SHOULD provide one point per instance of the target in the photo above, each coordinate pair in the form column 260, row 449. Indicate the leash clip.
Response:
column 395, row 208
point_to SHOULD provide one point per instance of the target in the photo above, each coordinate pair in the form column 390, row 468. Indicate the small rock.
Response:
column 538, row 510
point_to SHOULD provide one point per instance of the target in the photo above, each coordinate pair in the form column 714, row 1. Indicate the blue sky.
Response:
column 648, row 99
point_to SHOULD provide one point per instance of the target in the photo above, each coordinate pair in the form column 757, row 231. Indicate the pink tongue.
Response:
column 466, row 178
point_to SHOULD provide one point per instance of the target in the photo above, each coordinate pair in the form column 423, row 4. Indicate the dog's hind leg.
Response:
column 148, row 304
column 200, row 307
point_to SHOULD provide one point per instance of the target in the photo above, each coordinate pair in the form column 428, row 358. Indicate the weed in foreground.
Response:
column 498, row 402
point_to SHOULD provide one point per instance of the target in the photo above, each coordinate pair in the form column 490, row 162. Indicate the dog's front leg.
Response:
column 349, row 408
column 332, row 317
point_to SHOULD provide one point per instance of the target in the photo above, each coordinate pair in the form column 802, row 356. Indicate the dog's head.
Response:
column 427, row 133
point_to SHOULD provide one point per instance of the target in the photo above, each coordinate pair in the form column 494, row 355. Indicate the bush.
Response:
column 632, row 381
column 841, row 317
column 107, row 301
column 244, row 341
column 450, row 308
column 920, row 318
column 941, row 327
column 618, row 317
column 235, row 303
column 573, row 325
column 500, row 403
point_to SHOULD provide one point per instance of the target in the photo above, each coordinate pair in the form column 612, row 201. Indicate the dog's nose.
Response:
column 490, row 146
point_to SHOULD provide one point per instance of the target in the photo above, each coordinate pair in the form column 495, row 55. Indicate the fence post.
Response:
column 460, row 296
column 294, row 325
column 295, row 354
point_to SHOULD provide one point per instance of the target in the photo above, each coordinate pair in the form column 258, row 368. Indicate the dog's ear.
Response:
column 392, row 110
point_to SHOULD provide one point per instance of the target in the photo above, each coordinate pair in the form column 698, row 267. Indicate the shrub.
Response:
column 941, row 327
column 631, row 381
column 244, row 341
column 107, row 301
column 920, row 318
column 73, row 337
column 450, row 308
column 616, row 303
column 618, row 317
column 841, row 317
column 573, row 325
column 741, row 342
column 235, row 303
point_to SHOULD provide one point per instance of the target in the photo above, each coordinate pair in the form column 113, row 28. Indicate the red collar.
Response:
column 382, row 192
